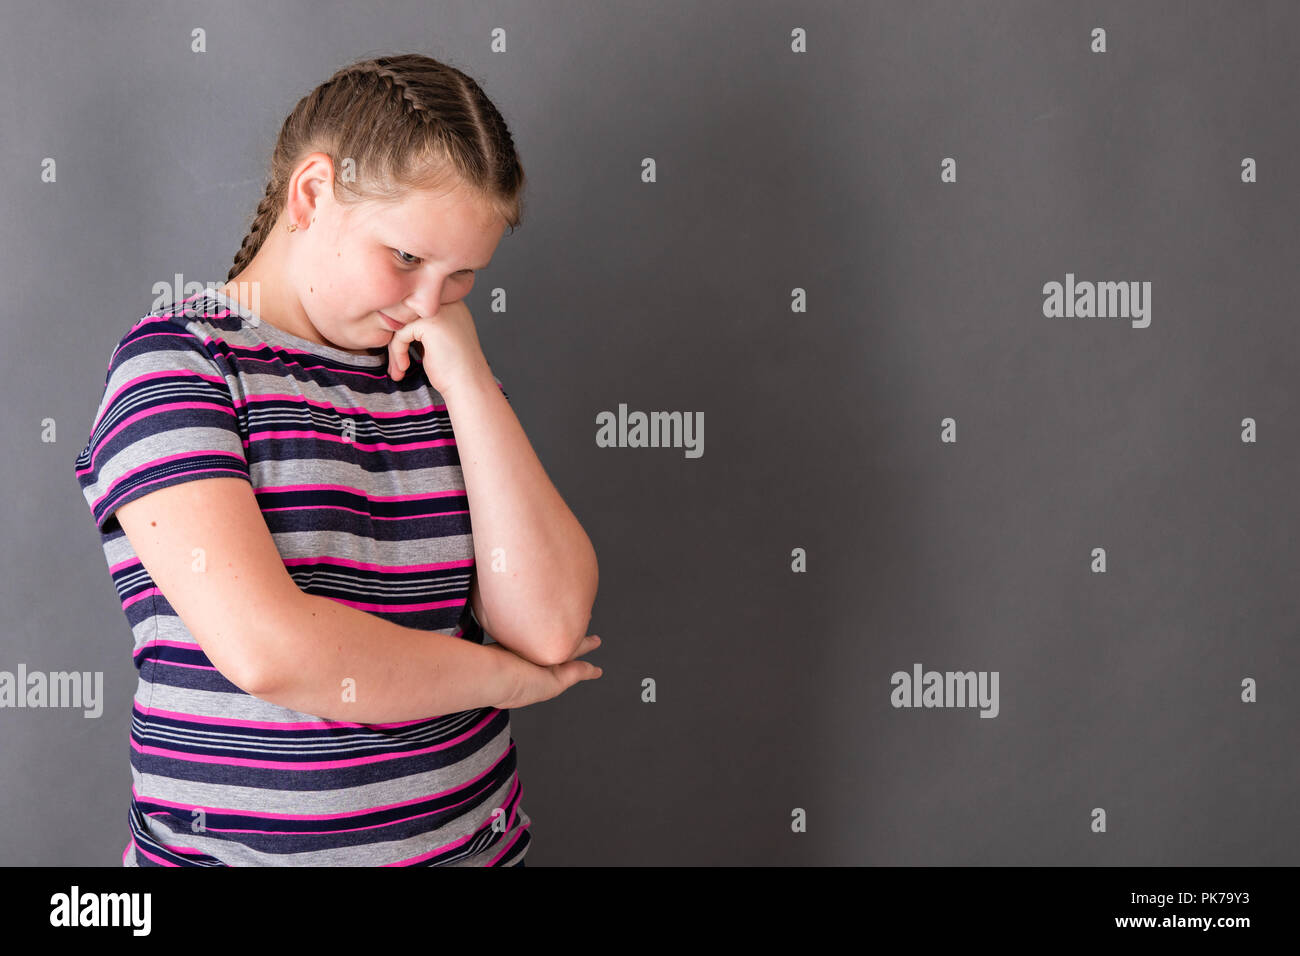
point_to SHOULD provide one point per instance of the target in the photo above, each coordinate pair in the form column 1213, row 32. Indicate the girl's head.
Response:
column 391, row 183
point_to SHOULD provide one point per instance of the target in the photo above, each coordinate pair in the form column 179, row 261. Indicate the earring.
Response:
column 293, row 226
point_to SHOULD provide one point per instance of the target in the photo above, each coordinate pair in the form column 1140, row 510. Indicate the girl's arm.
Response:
column 536, row 571
column 297, row 650
column 357, row 667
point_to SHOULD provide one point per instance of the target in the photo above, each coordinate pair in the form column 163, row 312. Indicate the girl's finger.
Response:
column 399, row 350
column 397, row 361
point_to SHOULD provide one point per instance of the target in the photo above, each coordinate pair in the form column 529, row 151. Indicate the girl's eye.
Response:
column 467, row 273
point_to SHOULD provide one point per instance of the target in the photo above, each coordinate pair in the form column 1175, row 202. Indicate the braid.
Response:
column 393, row 82
column 263, row 220
column 407, row 122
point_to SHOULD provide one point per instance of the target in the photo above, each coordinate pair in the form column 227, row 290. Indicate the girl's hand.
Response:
column 449, row 343
column 535, row 683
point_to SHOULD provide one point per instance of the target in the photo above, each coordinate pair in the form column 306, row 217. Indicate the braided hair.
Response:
column 393, row 124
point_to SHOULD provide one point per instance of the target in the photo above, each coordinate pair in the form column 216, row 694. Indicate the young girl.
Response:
column 314, row 685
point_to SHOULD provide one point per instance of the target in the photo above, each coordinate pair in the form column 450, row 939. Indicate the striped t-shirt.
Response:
column 360, row 485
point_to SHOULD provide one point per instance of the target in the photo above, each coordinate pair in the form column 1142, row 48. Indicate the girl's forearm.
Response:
column 536, row 568
column 333, row 661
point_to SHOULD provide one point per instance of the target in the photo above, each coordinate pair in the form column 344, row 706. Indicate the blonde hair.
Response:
column 407, row 122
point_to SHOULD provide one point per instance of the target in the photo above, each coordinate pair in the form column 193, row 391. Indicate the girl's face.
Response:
column 356, row 264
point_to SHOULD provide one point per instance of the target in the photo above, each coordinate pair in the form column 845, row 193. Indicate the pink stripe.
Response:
column 272, row 725
column 360, row 493
column 310, row 765
column 355, row 511
column 366, row 566
column 344, row 409
column 197, row 667
column 338, row 439
column 319, row 560
column 156, row 643
column 139, row 597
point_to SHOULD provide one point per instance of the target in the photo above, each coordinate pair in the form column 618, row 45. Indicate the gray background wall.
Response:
column 777, row 170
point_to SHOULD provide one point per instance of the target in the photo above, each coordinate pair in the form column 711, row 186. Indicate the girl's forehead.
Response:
column 432, row 227
column 418, row 209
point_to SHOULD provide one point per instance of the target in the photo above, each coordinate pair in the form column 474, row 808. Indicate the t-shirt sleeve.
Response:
column 166, row 417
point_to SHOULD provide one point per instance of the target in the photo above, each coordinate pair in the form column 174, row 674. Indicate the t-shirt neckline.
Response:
column 266, row 329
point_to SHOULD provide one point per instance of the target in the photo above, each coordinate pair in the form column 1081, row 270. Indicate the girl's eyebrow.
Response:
column 471, row 268
column 422, row 256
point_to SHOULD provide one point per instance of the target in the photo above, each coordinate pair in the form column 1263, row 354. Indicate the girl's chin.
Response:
column 353, row 349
